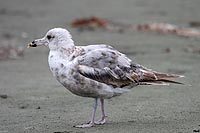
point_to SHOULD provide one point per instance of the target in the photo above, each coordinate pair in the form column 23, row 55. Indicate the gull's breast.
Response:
column 67, row 74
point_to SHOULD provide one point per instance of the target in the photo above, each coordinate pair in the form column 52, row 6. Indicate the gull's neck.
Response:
column 67, row 48
column 64, row 49
column 64, row 45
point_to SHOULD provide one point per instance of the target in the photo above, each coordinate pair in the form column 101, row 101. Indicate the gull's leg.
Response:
column 91, row 122
column 103, row 118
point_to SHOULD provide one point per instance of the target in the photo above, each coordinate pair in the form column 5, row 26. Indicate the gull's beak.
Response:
column 31, row 44
column 38, row 42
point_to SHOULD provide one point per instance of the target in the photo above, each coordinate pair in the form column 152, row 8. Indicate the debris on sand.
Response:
column 93, row 22
column 90, row 22
column 167, row 50
column 3, row 96
column 168, row 28
column 23, row 105
column 196, row 130
column 194, row 24
column 11, row 52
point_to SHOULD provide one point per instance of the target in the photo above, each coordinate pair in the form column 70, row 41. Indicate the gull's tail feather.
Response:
column 171, row 81
column 159, row 82
column 150, row 77
column 166, row 75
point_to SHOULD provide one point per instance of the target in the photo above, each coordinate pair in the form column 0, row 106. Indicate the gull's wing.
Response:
column 107, row 65
column 101, row 56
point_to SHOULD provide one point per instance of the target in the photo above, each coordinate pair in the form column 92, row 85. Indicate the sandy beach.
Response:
column 32, row 101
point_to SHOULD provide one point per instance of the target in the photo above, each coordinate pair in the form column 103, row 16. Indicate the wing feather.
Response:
column 107, row 65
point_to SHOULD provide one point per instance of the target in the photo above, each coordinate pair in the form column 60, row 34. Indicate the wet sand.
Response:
column 32, row 101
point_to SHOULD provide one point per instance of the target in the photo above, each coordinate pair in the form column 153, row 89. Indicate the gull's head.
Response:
column 54, row 39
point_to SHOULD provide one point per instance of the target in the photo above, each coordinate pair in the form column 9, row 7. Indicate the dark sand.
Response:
column 37, row 103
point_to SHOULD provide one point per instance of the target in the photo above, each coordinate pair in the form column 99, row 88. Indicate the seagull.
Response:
column 95, row 71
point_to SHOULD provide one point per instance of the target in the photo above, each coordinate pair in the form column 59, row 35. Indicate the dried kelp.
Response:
column 93, row 22
column 168, row 29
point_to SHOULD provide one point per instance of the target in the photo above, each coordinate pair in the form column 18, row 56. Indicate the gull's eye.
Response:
column 49, row 37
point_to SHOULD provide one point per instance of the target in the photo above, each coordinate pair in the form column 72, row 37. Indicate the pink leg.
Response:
column 103, row 118
column 91, row 122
